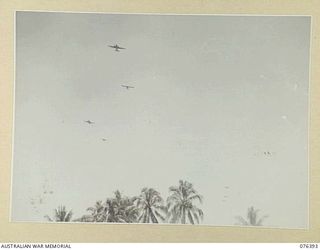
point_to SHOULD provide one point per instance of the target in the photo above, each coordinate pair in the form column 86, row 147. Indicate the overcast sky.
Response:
column 211, row 95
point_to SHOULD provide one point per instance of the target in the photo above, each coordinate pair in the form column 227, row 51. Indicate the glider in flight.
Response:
column 116, row 47
column 127, row 86
column 89, row 122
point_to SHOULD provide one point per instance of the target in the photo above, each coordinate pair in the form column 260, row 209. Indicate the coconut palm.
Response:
column 252, row 218
column 127, row 211
column 60, row 215
column 180, row 203
column 150, row 205
column 118, row 209
column 97, row 212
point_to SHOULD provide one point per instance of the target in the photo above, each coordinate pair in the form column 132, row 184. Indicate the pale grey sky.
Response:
column 212, row 94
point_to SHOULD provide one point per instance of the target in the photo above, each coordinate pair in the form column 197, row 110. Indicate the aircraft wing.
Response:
column 127, row 86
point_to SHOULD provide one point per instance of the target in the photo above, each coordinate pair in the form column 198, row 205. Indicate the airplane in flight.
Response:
column 89, row 122
column 116, row 47
column 127, row 86
column 104, row 139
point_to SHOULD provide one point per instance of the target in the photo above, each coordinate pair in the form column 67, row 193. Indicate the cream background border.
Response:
column 38, row 232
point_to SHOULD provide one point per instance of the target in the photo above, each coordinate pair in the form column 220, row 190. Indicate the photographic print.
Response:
column 161, row 119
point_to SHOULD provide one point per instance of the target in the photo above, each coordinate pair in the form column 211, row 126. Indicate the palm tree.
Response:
column 180, row 204
column 252, row 218
column 97, row 212
column 127, row 210
column 150, row 205
column 118, row 209
column 60, row 215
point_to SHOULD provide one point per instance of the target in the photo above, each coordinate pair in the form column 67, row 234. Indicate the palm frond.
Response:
column 48, row 218
column 190, row 217
column 259, row 223
column 196, row 197
column 242, row 221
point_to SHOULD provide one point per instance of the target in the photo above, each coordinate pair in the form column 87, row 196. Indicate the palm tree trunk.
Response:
column 153, row 217
column 183, row 221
